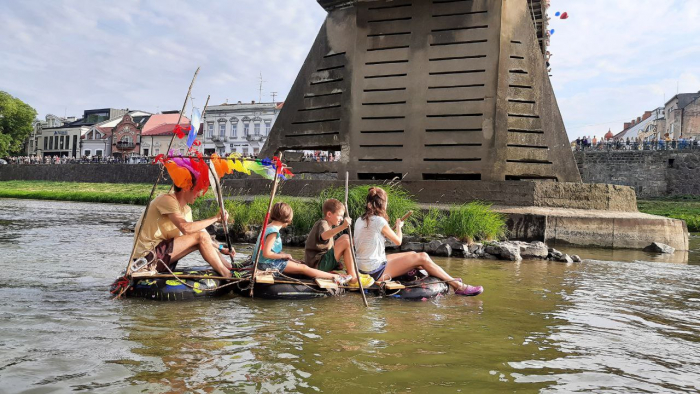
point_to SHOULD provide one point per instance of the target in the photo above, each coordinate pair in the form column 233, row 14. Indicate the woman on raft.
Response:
column 370, row 231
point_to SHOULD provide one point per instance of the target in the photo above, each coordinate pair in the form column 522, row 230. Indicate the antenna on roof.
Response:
column 260, row 89
column 273, row 94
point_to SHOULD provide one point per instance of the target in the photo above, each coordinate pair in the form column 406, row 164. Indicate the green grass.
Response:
column 474, row 221
column 683, row 207
column 119, row 193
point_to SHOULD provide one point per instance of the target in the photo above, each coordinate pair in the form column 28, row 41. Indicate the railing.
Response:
column 125, row 145
column 254, row 137
column 635, row 146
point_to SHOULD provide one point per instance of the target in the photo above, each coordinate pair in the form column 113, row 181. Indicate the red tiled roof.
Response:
column 164, row 124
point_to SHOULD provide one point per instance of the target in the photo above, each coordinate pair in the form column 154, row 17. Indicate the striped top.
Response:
column 370, row 243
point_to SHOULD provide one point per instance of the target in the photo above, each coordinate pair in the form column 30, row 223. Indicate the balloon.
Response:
column 565, row 16
column 551, row 32
column 557, row 14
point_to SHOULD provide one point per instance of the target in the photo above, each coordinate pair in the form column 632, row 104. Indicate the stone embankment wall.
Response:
column 650, row 173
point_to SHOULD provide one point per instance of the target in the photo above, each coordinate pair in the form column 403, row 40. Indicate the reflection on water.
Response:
column 620, row 322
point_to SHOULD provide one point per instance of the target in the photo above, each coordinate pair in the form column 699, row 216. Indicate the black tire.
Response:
column 162, row 289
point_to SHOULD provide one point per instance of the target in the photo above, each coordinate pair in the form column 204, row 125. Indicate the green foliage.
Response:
column 16, row 120
column 430, row 222
column 118, row 193
column 474, row 221
column 400, row 202
column 681, row 207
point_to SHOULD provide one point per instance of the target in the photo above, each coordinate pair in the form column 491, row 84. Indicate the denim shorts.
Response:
column 279, row 265
column 377, row 273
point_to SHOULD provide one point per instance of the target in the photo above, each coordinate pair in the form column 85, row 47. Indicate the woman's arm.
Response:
column 269, row 254
column 394, row 237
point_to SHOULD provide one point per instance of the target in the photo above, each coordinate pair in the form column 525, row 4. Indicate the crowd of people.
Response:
column 321, row 156
column 588, row 143
column 77, row 160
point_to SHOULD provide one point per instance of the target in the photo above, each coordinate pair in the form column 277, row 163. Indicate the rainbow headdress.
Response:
column 188, row 173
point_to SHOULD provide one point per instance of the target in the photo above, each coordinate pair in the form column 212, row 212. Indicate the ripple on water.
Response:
column 540, row 326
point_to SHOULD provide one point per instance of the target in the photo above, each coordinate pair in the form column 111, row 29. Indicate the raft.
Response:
column 416, row 288
column 302, row 289
column 165, row 289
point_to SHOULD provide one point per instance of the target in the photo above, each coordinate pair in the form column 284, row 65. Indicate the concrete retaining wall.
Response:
column 650, row 173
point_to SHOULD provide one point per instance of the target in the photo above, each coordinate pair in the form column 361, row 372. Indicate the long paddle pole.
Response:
column 256, row 256
column 352, row 242
column 153, row 190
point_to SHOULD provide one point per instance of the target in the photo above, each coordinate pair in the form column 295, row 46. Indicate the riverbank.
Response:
column 116, row 193
column 685, row 208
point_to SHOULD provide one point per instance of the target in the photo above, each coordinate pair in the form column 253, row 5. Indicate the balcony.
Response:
column 254, row 137
column 124, row 145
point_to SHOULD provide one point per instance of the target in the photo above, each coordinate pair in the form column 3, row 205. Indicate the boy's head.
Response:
column 282, row 212
column 333, row 211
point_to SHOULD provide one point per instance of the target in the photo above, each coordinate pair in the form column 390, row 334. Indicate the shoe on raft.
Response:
column 343, row 279
column 367, row 281
column 469, row 290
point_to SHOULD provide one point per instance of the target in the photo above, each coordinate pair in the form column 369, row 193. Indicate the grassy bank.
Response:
column 685, row 208
column 118, row 193
column 474, row 221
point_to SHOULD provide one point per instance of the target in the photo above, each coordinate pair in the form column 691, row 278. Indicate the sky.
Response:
column 612, row 60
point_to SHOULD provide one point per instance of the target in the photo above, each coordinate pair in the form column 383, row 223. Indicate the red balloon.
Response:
column 564, row 16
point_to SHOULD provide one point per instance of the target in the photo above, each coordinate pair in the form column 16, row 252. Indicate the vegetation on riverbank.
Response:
column 117, row 193
column 473, row 221
column 683, row 207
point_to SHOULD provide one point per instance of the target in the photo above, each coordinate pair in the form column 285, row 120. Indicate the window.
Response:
column 210, row 130
column 51, row 143
column 98, row 152
column 257, row 128
column 234, row 129
column 268, row 127
column 245, row 129
column 156, row 151
column 46, row 142
column 87, row 152
column 245, row 151
column 222, row 130
column 61, row 141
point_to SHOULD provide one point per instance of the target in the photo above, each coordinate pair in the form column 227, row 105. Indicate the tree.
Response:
column 16, row 118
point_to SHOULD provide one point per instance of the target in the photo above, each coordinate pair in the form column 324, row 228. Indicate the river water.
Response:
column 631, row 325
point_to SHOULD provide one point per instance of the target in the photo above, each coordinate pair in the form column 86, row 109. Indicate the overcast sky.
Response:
column 612, row 60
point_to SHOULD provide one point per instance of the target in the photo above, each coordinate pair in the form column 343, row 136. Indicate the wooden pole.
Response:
column 220, row 198
column 155, row 184
column 352, row 242
column 256, row 256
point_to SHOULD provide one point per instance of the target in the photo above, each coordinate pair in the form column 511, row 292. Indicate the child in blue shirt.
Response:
column 271, row 256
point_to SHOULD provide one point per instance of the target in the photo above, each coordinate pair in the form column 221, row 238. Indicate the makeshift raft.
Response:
column 193, row 283
column 267, row 286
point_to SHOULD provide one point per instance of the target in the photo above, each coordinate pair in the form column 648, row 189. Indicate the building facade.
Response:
column 683, row 116
column 65, row 139
column 98, row 140
column 157, row 134
column 239, row 128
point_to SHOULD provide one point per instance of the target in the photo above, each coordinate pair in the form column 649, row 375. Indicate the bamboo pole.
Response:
column 155, row 185
column 264, row 226
column 352, row 242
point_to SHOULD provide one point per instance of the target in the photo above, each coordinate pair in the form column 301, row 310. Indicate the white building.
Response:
column 241, row 128
column 31, row 145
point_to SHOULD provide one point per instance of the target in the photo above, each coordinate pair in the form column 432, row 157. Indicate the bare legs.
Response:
column 186, row 244
column 400, row 263
column 303, row 269
column 342, row 250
